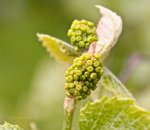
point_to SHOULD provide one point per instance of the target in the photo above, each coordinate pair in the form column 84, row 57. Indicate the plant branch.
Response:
column 69, row 108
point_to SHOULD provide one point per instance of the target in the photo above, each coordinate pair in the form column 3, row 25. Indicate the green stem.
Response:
column 69, row 108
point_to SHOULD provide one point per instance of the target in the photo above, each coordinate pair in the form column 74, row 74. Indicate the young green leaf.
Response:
column 114, row 114
column 111, row 83
column 8, row 126
column 108, row 31
column 59, row 49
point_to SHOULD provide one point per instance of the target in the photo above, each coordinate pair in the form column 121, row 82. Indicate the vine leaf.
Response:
column 59, row 49
column 108, row 31
column 114, row 114
column 110, row 82
column 8, row 126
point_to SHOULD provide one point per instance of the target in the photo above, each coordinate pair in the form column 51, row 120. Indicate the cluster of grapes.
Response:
column 83, row 76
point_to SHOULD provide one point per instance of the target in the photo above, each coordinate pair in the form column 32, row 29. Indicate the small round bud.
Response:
column 71, row 85
column 78, row 72
column 77, row 93
column 96, row 63
column 78, row 38
column 90, row 69
column 95, row 81
column 79, row 63
column 88, row 56
column 79, row 98
column 76, row 82
column 73, row 39
column 91, row 84
column 69, row 33
column 87, row 83
column 78, row 33
column 66, row 86
column 75, row 77
column 85, row 88
column 97, row 55
column 81, row 44
column 98, row 69
column 67, row 73
column 86, row 74
column 89, row 62
column 82, row 78
column 69, row 78
column 68, row 94
column 93, row 75
column 87, row 45
column 72, row 72
column 78, row 87
column 90, row 24
column 84, row 39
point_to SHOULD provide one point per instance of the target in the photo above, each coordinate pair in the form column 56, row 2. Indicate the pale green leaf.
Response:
column 8, row 126
column 114, row 114
column 108, row 30
column 57, row 48
column 110, row 82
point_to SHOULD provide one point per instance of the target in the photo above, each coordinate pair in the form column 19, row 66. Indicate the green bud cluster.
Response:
column 82, row 34
column 83, row 75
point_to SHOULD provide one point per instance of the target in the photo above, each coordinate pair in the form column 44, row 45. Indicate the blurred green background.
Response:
column 31, row 82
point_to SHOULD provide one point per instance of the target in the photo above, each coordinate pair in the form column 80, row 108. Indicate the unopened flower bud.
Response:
column 82, row 34
column 83, row 76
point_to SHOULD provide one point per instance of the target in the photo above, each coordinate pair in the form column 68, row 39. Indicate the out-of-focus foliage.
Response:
column 8, row 126
column 31, row 83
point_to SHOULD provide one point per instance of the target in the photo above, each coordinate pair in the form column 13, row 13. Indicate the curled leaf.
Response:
column 59, row 49
column 108, row 31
